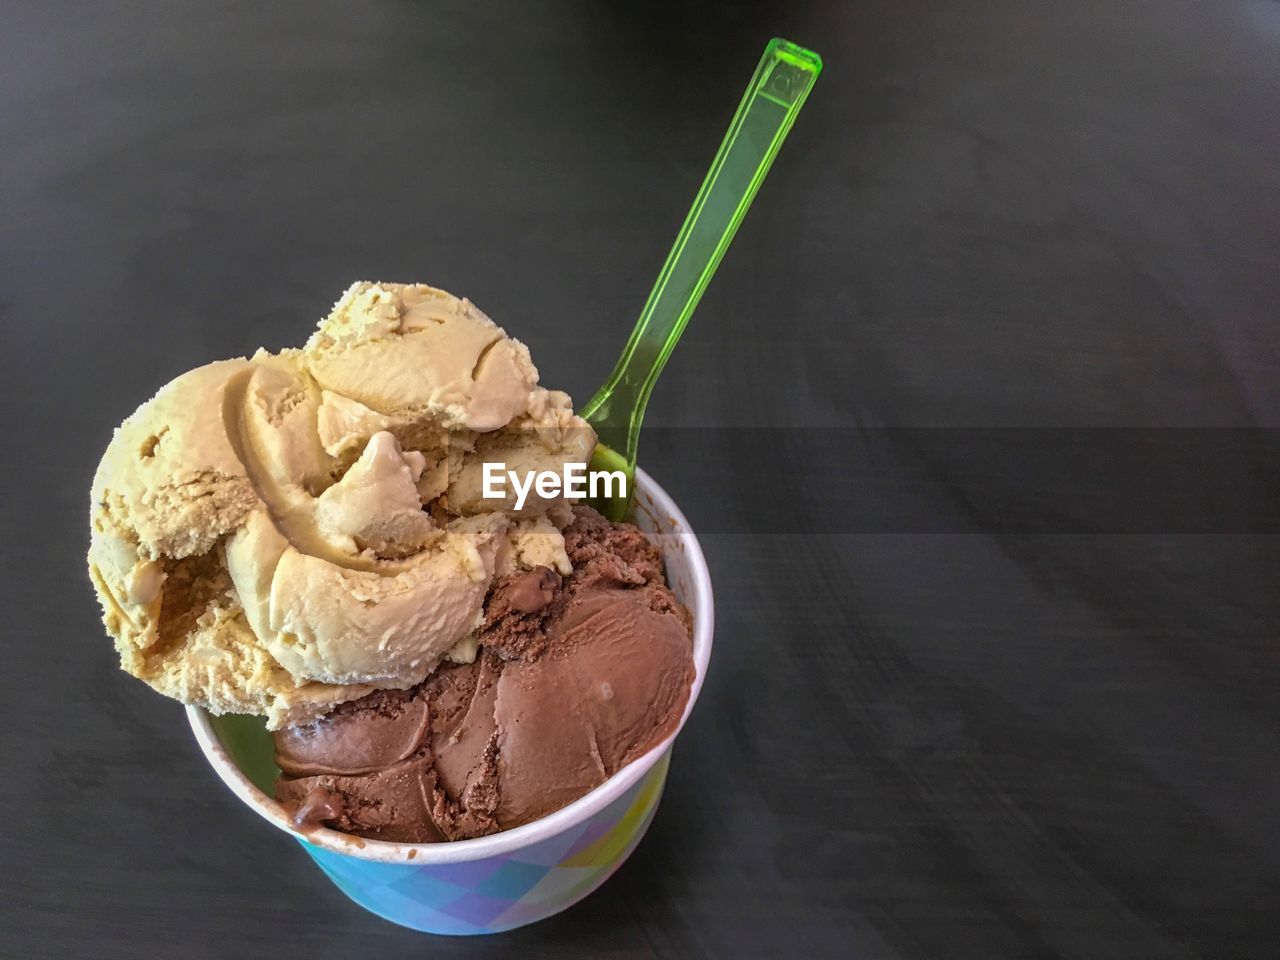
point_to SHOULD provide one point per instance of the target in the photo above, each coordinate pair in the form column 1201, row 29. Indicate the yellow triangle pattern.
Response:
column 611, row 844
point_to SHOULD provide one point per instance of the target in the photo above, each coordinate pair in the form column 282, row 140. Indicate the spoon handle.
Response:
column 775, row 95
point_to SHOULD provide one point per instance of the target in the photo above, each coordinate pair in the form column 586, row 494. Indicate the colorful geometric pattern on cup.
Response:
column 507, row 891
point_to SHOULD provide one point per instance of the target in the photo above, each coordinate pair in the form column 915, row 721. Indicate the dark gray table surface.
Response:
column 977, row 692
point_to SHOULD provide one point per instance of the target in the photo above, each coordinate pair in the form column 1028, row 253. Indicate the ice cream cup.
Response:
column 513, row 878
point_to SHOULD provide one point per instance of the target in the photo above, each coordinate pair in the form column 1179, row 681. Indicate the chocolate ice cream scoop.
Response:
column 611, row 685
column 577, row 677
column 374, row 766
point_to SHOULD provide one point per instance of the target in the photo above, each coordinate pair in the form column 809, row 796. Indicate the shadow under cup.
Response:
column 516, row 877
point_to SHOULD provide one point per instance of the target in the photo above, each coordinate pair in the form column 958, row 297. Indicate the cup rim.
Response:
column 458, row 851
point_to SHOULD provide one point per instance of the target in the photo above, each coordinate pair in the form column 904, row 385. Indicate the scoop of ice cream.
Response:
column 410, row 349
column 612, row 684
column 399, row 766
column 596, row 676
column 310, row 486
column 577, row 677
column 386, row 625
column 166, row 491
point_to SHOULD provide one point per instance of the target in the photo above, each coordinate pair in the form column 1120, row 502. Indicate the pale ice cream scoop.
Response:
column 277, row 535
column 413, row 350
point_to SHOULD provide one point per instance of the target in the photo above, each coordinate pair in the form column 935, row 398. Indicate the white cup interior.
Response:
column 689, row 579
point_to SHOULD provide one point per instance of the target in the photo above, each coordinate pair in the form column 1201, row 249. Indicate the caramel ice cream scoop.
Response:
column 276, row 535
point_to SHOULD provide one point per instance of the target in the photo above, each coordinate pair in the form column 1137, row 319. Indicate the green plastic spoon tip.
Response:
column 778, row 89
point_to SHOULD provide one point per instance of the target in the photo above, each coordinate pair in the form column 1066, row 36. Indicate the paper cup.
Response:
column 512, row 878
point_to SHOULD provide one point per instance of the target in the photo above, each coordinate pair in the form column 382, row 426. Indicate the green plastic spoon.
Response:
column 777, row 91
